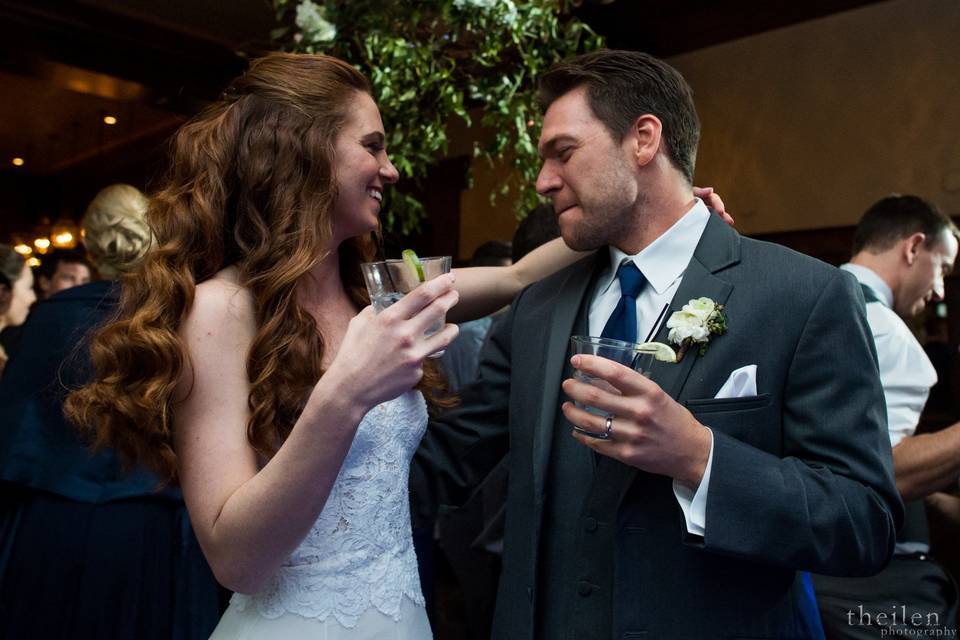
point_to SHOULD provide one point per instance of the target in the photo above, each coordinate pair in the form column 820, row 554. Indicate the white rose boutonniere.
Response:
column 696, row 323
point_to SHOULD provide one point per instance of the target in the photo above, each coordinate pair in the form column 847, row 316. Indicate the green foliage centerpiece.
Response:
column 431, row 60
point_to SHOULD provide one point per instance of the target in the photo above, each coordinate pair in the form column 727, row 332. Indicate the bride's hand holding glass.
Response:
column 382, row 354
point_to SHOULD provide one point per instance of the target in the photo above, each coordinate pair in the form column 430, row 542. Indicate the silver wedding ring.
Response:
column 608, row 429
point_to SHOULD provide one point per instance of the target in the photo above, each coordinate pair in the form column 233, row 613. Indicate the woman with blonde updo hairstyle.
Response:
column 76, row 528
column 115, row 229
column 247, row 365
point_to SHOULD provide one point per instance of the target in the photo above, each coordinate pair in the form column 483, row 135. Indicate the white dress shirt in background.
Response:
column 905, row 370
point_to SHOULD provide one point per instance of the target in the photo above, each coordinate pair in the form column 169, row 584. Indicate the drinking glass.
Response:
column 637, row 357
column 389, row 280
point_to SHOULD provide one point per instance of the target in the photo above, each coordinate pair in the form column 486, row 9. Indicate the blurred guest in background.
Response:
column 539, row 227
column 61, row 269
column 902, row 250
column 16, row 296
column 493, row 253
column 86, row 550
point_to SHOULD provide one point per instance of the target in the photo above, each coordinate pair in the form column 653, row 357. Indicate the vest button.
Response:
column 590, row 524
column 585, row 588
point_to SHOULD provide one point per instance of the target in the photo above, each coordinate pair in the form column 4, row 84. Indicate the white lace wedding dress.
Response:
column 355, row 574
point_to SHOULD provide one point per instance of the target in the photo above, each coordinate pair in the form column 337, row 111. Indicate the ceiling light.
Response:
column 23, row 249
column 64, row 234
column 63, row 239
column 109, row 120
column 17, row 162
column 33, row 261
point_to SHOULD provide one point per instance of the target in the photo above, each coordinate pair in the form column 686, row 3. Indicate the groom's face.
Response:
column 586, row 174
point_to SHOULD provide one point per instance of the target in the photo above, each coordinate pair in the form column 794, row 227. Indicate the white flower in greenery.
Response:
column 695, row 323
column 506, row 8
column 313, row 22
column 509, row 13
column 475, row 4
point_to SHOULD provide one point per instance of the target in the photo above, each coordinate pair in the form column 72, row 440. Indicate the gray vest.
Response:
column 569, row 476
column 575, row 575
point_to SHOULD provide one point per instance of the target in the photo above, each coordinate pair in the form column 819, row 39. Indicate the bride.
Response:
column 248, row 366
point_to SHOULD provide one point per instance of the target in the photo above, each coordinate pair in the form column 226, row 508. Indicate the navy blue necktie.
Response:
column 622, row 324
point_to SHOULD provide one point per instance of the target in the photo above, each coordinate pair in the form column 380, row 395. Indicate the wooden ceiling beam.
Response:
column 183, row 68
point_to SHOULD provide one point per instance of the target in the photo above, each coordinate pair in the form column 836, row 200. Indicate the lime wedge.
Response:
column 660, row 351
column 413, row 262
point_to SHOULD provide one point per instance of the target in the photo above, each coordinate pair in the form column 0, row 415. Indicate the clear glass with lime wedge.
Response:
column 389, row 280
column 639, row 357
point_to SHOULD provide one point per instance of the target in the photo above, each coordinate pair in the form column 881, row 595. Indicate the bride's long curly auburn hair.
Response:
column 250, row 184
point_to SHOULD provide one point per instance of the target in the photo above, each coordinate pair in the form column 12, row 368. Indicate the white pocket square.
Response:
column 742, row 383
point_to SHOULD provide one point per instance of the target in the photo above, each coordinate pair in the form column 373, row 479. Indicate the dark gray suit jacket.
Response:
column 801, row 478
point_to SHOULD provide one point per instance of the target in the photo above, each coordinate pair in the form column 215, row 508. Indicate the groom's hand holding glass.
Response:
column 649, row 429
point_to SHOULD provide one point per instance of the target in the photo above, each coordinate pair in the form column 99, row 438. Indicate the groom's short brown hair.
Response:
column 624, row 85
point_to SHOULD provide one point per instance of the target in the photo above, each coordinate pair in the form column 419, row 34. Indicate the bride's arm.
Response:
column 483, row 290
column 249, row 519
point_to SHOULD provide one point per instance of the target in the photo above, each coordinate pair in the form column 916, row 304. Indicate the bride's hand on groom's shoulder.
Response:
column 382, row 354
column 712, row 199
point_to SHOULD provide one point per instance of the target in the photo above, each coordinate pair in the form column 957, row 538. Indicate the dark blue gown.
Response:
column 87, row 550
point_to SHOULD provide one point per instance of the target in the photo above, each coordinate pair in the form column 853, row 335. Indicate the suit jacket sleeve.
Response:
column 463, row 444
column 828, row 504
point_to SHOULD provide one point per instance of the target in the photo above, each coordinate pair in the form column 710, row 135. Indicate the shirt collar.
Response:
column 666, row 258
column 870, row 278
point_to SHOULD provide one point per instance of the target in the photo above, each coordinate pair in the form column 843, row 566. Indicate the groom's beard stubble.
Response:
column 610, row 202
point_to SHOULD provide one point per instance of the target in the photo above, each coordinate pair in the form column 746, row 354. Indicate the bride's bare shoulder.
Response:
column 221, row 305
column 223, row 295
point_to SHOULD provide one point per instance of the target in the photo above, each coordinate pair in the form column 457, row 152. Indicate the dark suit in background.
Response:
column 87, row 549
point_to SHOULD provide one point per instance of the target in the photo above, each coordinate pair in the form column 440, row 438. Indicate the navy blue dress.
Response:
column 87, row 550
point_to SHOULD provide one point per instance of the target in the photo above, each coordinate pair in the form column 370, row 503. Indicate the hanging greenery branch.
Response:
column 430, row 61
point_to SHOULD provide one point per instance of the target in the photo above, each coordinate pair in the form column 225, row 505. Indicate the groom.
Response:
column 711, row 491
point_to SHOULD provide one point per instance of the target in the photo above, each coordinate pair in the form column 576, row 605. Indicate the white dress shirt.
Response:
column 906, row 372
column 662, row 264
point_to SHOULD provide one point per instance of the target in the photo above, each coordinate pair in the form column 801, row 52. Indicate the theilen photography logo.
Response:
column 900, row 623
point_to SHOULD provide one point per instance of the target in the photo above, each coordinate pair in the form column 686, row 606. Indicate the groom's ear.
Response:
column 911, row 246
column 645, row 136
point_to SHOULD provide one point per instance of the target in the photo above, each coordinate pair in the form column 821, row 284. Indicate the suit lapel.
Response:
column 562, row 315
column 719, row 247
